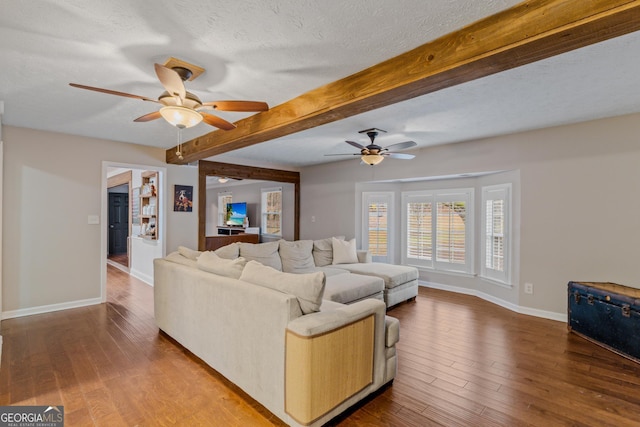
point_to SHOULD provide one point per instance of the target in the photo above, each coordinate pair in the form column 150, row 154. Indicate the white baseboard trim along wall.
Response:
column 560, row 317
column 49, row 308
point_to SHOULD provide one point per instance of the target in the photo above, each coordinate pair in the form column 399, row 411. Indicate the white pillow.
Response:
column 188, row 253
column 179, row 259
column 344, row 252
column 323, row 251
column 307, row 288
column 231, row 251
column 209, row 261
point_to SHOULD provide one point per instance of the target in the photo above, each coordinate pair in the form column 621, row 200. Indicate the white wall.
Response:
column 578, row 199
column 51, row 256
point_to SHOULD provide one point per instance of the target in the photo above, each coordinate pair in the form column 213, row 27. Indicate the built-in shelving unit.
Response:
column 149, row 205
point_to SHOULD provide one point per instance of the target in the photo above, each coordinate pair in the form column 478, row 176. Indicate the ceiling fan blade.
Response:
column 171, row 81
column 401, row 145
column 112, row 92
column 352, row 154
column 237, row 105
column 355, row 144
column 148, row 117
column 401, row 156
column 218, row 122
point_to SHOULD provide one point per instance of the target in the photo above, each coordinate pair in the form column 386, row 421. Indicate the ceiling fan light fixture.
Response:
column 223, row 180
column 180, row 117
column 372, row 159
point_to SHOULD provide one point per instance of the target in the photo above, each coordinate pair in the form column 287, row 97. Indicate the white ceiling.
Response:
column 274, row 51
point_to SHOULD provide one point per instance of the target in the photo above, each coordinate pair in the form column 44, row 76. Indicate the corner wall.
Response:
column 578, row 197
column 53, row 182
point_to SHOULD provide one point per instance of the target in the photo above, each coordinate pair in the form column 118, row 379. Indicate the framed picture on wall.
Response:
column 183, row 198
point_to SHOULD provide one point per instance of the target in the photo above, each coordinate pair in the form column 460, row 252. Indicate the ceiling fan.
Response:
column 373, row 154
column 181, row 108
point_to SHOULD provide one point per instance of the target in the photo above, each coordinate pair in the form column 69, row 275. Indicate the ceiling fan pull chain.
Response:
column 179, row 151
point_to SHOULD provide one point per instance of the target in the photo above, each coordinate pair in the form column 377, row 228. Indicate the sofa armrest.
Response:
column 364, row 256
column 330, row 357
column 326, row 321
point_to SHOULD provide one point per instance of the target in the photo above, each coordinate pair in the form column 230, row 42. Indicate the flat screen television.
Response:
column 236, row 213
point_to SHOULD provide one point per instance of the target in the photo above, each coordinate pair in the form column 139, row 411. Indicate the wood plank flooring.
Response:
column 462, row 362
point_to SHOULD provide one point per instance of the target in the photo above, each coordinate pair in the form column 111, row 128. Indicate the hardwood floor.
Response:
column 462, row 362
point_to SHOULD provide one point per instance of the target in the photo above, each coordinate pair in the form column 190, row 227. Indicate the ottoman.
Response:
column 400, row 281
column 347, row 288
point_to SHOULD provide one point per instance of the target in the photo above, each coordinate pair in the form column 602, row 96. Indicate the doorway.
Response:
column 126, row 179
column 118, row 231
column 119, row 213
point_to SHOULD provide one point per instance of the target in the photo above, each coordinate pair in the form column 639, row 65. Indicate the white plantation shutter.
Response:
column 378, row 215
column 496, row 232
column 439, row 229
column 376, row 234
column 419, row 231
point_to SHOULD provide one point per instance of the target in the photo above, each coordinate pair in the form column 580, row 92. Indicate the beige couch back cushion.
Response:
column 307, row 288
column 297, row 256
column 264, row 253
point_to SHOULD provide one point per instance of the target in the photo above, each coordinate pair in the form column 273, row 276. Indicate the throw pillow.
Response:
column 344, row 252
column 228, row 252
column 188, row 253
column 212, row 263
column 323, row 251
column 179, row 259
column 264, row 253
column 307, row 288
column 296, row 256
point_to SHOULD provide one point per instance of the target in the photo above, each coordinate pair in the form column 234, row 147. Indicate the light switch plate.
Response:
column 93, row 219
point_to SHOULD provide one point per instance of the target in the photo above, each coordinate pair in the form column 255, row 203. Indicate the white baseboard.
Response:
column 49, row 308
column 560, row 317
column 141, row 276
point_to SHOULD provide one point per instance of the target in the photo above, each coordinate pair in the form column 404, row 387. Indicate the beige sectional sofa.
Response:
column 305, row 358
column 350, row 276
column 300, row 326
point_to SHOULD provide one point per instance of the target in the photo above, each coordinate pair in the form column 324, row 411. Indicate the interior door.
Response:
column 118, row 222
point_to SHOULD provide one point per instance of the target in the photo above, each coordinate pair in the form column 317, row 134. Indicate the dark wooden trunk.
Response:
column 607, row 314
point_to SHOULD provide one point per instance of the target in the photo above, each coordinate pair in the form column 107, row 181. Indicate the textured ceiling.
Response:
column 273, row 51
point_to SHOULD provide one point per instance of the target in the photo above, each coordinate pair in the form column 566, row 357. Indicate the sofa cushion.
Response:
column 296, row 256
column 391, row 331
column 231, row 251
column 188, row 253
column 307, row 288
column 344, row 252
column 347, row 288
column 323, row 251
column 209, row 261
column 393, row 275
column 331, row 271
column 264, row 253
column 180, row 259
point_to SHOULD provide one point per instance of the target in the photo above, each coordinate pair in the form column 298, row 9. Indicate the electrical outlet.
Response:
column 313, row 218
column 528, row 288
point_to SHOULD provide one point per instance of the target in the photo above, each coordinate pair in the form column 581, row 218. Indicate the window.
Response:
column 223, row 199
column 496, row 222
column 376, row 234
column 438, row 229
column 272, row 211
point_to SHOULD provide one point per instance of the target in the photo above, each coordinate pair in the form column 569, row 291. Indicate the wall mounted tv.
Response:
column 236, row 213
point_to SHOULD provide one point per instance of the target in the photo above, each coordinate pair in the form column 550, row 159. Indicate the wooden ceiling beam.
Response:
column 528, row 32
